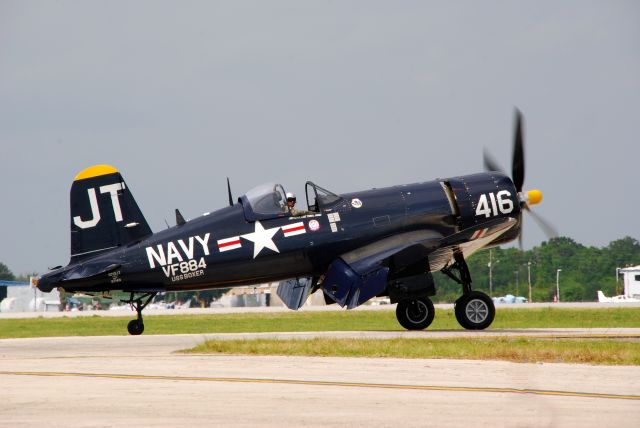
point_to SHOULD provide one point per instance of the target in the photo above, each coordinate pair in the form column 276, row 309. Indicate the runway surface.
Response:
column 141, row 381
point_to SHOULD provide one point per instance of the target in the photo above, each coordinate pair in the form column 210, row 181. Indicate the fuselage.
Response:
column 231, row 246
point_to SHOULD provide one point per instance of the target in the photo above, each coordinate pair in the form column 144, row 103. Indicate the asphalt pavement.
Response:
column 141, row 381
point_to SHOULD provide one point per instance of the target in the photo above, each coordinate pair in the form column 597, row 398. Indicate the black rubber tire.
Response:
column 415, row 314
column 135, row 327
column 475, row 311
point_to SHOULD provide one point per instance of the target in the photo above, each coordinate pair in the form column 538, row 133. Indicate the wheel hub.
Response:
column 477, row 311
column 417, row 312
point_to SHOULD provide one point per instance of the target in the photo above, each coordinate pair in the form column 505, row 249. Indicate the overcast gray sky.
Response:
column 348, row 94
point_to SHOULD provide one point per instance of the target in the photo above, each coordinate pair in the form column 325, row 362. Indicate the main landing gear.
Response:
column 415, row 314
column 474, row 310
column 136, row 327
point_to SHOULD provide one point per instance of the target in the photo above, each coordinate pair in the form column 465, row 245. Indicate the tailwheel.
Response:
column 415, row 314
column 135, row 327
column 475, row 310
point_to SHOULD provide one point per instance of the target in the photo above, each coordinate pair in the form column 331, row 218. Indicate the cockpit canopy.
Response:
column 319, row 198
column 269, row 201
column 264, row 201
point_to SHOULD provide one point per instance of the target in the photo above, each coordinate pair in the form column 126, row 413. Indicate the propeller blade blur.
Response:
column 546, row 227
column 521, row 232
column 490, row 163
column 530, row 197
column 517, row 166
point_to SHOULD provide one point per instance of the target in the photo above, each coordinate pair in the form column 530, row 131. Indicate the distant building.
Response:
column 21, row 297
column 631, row 277
column 261, row 295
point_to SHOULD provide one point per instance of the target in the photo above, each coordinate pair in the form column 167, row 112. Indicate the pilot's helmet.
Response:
column 291, row 197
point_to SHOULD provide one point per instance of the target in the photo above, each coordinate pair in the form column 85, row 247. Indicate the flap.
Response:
column 348, row 288
column 366, row 259
column 294, row 292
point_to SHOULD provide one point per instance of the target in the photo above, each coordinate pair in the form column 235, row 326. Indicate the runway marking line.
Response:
column 328, row 383
column 546, row 336
column 568, row 336
column 453, row 335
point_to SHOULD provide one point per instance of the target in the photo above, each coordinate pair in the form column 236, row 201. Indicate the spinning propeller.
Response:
column 527, row 198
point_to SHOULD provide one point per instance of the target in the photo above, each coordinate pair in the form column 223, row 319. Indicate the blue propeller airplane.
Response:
column 353, row 246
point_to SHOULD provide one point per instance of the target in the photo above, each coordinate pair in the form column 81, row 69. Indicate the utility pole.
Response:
column 558, row 285
column 490, row 273
column 529, row 280
column 33, row 283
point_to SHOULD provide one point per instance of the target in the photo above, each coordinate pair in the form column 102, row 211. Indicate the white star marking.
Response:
column 262, row 238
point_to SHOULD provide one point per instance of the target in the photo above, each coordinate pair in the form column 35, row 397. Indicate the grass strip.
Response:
column 600, row 352
column 312, row 321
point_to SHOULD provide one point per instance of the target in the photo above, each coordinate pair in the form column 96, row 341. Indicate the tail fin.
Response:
column 104, row 214
column 602, row 298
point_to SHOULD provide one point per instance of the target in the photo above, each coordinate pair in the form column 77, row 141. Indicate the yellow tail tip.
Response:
column 95, row 171
column 534, row 196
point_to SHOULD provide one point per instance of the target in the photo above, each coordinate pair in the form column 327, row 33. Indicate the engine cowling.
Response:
column 484, row 196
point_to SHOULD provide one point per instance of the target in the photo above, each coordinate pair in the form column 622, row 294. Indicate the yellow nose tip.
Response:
column 534, row 196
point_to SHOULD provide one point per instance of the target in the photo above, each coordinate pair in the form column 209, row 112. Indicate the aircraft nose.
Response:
column 534, row 197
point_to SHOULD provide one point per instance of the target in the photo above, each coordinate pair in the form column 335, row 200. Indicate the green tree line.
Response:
column 585, row 270
column 5, row 273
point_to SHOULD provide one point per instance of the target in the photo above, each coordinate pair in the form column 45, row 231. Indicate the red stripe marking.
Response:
column 226, row 244
column 293, row 229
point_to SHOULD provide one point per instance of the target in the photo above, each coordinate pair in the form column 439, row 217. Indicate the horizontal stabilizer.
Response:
column 105, row 271
column 90, row 270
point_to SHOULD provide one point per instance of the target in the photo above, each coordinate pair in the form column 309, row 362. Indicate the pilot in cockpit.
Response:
column 290, row 207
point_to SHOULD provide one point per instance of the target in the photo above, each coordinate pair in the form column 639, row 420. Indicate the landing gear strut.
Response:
column 474, row 310
column 136, row 327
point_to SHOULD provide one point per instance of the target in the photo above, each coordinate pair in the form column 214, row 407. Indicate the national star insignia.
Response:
column 262, row 238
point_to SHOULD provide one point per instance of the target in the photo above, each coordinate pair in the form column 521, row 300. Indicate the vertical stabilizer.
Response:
column 602, row 298
column 104, row 214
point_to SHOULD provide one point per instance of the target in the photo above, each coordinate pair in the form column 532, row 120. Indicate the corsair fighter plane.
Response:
column 353, row 246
